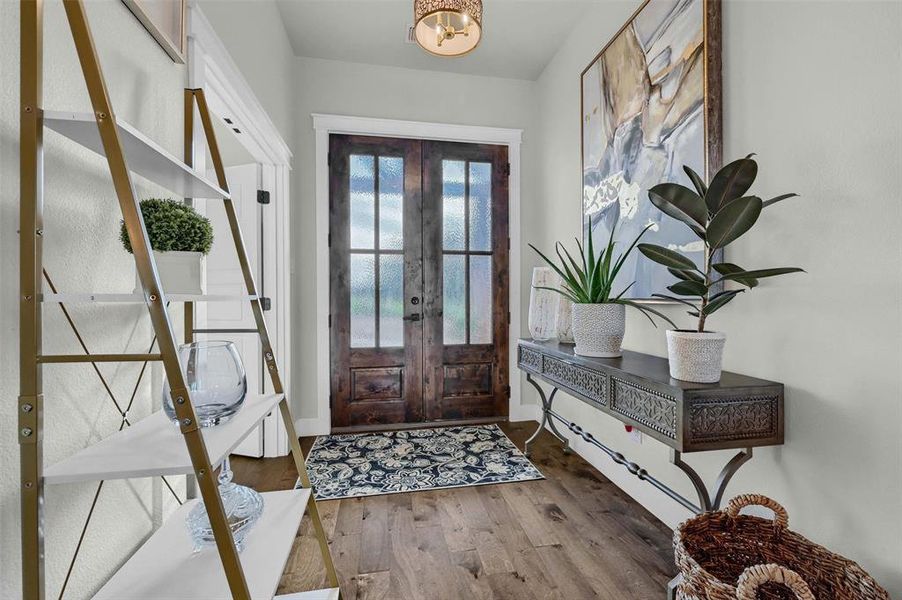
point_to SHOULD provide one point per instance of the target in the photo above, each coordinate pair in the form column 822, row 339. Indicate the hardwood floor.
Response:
column 571, row 536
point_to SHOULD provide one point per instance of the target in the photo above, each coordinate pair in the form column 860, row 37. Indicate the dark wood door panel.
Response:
column 465, row 378
column 377, row 371
column 453, row 242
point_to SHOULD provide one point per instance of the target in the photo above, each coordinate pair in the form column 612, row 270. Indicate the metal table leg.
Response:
column 546, row 410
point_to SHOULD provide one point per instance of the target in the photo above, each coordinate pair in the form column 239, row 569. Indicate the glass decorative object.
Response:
column 564, row 322
column 215, row 379
column 543, row 304
column 242, row 505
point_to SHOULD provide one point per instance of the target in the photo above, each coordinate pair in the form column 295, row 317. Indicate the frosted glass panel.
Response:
column 480, row 299
column 363, row 200
column 391, row 203
column 391, row 300
column 480, row 206
column 453, row 188
column 363, row 301
column 454, row 299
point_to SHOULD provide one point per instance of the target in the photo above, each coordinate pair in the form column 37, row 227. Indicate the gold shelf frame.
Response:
column 31, row 357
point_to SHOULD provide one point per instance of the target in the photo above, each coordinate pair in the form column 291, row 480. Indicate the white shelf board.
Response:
column 166, row 567
column 325, row 594
column 155, row 446
column 143, row 156
column 73, row 298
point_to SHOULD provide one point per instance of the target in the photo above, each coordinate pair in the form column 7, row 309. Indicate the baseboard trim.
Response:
column 314, row 426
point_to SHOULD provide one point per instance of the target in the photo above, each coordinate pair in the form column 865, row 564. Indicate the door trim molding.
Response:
column 324, row 125
column 228, row 93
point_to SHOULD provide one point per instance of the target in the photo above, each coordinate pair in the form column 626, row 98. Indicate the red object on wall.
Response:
column 629, row 428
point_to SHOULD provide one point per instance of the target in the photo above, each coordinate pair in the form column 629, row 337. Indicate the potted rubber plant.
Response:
column 180, row 239
column 599, row 314
column 718, row 214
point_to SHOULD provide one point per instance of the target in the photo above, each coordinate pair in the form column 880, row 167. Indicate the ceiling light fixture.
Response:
column 448, row 27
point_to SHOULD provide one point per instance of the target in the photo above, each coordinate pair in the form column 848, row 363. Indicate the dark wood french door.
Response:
column 419, row 281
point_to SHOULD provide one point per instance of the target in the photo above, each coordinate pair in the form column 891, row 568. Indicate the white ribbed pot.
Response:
column 694, row 356
column 598, row 329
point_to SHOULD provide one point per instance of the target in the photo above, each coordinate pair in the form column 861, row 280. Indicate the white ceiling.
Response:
column 519, row 36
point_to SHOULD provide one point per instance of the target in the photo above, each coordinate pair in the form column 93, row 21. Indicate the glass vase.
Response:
column 243, row 507
column 215, row 379
column 543, row 304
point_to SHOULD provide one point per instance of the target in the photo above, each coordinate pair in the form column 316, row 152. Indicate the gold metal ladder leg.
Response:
column 266, row 345
column 106, row 123
column 31, row 398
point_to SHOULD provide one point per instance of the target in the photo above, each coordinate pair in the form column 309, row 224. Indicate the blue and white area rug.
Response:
column 370, row 464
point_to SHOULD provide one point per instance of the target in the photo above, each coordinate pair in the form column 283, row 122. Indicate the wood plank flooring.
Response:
column 572, row 536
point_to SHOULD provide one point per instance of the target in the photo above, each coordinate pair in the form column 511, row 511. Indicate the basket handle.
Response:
column 752, row 577
column 781, row 517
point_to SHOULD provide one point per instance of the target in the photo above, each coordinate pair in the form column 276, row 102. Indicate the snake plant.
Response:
column 718, row 214
column 590, row 280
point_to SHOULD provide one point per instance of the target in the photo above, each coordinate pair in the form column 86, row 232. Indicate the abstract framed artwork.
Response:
column 165, row 20
column 650, row 103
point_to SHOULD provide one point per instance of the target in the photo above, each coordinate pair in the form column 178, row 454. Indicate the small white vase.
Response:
column 598, row 329
column 694, row 356
column 564, row 325
column 180, row 272
column 543, row 304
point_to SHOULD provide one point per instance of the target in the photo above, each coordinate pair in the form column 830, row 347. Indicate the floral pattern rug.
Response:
column 369, row 464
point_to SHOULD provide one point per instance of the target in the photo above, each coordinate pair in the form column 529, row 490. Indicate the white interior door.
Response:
column 224, row 277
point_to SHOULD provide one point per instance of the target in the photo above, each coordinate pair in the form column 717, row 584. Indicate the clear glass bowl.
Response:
column 243, row 507
column 215, row 378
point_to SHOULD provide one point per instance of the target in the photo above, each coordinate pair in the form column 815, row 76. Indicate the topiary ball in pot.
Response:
column 179, row 238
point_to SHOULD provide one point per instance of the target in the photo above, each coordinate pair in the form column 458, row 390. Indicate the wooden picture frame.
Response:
column 636, row 61
column 166, row 21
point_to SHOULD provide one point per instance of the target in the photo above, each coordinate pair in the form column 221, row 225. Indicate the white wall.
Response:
column 82, row 253
column 253, row 33
column 341, row 88
column 816, row 90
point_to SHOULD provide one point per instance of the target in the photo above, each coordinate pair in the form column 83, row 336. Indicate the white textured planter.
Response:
column 180, row 272
column 598, row 329
column 694, row 356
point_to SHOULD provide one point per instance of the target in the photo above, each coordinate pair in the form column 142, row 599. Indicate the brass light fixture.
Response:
column 448, row 27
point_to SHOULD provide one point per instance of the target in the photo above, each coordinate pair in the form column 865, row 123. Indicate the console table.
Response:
column 737, row 412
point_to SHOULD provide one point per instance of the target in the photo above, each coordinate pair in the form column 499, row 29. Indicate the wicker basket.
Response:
column 727, row 556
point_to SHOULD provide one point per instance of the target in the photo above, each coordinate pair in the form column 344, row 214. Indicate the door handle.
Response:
column 413, row 317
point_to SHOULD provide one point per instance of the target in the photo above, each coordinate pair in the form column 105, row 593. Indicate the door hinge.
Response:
column 262, row 197
column 507, row 390
column 330, row 320
column 329, row 159
column 508, row 317
column 506, row 170
column 508, row 243
column 330, row 240
column 265, row 303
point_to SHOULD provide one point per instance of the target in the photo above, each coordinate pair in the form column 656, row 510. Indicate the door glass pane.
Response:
column 481, row 299
column 362, row 187
column 454, row 315
column 480, row 206
column 391, row 300
column 391, row 209
column 453, row 182
column 363, row 301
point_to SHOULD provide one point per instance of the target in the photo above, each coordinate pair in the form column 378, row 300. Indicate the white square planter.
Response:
column 180, row 272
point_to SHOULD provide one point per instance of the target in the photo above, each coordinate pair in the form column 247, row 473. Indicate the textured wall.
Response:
column 816, row 90
column 82, row 253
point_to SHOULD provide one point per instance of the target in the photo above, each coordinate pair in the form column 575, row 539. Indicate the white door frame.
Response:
column 228, row 93
column 324, row 125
